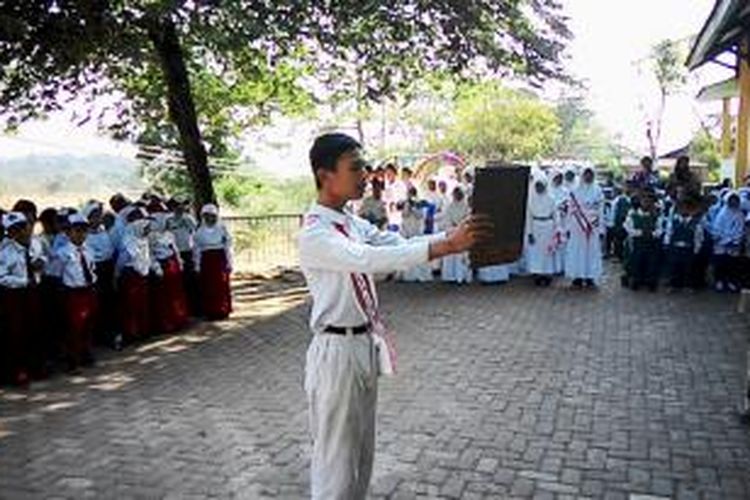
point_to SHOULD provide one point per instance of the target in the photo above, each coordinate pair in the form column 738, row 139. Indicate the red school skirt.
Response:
column 15, row 334
column 106, row 307
column 80, row 313
column 134, row 307
column 169, row 304
column 214, row 284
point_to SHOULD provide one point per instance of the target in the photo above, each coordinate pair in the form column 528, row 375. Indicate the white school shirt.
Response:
column 183, row 228
column 13, row 269
column 99, row 244
column 609, row 214
column 328, row 258
column 38, row 248
column 53, row 267
column 38, row 251
column 163, row 247
column 212, row 238
column 135, row 254
column 669, row 228
column 117, row 231
column 629, row 224
column 73, row 275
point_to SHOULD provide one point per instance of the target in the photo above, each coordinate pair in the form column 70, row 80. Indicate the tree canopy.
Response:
column 667, row 61
column 492, row 122
column 177, row 72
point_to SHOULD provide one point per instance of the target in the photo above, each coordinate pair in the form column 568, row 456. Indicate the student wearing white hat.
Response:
column 78, row 294
column 15, row 277
column 212, row 257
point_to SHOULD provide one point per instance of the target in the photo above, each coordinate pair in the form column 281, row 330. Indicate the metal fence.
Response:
column 264, row 242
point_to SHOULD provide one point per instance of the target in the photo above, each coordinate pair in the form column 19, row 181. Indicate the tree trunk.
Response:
column 659, row 121
column 163, row 35
column 360, row 111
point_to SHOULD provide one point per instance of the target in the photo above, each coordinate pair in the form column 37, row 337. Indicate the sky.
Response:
column 611, row 36
column 612, row 40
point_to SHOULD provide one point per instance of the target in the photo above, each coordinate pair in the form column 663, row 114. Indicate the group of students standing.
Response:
column 110, row 277
column 663, row 231
column 674, row 233
column 563, row 233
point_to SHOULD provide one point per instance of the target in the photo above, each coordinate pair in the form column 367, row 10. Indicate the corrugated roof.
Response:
column 728, row 20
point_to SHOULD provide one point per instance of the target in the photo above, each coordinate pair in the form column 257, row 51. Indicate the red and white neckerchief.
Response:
column 364, row 292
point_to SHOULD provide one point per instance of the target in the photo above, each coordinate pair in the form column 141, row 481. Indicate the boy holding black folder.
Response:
column 339, row 254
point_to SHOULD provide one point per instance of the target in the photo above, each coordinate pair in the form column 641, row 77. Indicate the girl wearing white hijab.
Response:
column 456, row 267
column 585, row 226
column 570, row 179
column 169, row 304
column 134, row 264
column 728, row 231
column 541, row 234
column 413, row 226
column 213, row 264
column 559, row 194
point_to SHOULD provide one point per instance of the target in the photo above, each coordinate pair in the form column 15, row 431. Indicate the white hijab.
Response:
column 588, row 192
column 540, row 204
column 570, row 186
column 558, row 193
column 729, row 225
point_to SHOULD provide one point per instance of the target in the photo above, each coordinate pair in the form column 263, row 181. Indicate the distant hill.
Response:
column 67, row 179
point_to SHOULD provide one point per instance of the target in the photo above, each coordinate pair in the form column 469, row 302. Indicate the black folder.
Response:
column 501, row 192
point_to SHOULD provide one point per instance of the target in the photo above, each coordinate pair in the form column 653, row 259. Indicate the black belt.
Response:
column 344, row 330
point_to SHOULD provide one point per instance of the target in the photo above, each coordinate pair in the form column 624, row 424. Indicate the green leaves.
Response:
column 492, row 122
column 249, row 59
column 668, row 59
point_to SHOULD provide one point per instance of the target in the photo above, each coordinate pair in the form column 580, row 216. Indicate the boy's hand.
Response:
column 475, row 229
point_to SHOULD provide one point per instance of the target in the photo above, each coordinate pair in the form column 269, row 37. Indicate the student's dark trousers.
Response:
column 681, row 261
column 644, row 258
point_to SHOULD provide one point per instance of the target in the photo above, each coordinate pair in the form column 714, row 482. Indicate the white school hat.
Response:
column 13, row 218
column 77, row 219
column 210, row 209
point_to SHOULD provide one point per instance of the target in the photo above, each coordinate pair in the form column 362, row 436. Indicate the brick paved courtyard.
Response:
column 503, row 392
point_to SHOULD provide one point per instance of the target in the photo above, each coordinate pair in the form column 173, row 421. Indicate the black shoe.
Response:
column 744, row 418
column 589, row 283
column 117, row 343
column 577, row 283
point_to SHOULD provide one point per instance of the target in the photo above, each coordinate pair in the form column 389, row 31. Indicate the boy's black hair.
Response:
column 48, row 215
column 327, row 149
column 26, row 207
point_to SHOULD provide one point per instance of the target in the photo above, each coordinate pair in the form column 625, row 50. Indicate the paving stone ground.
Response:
column 504, row 392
